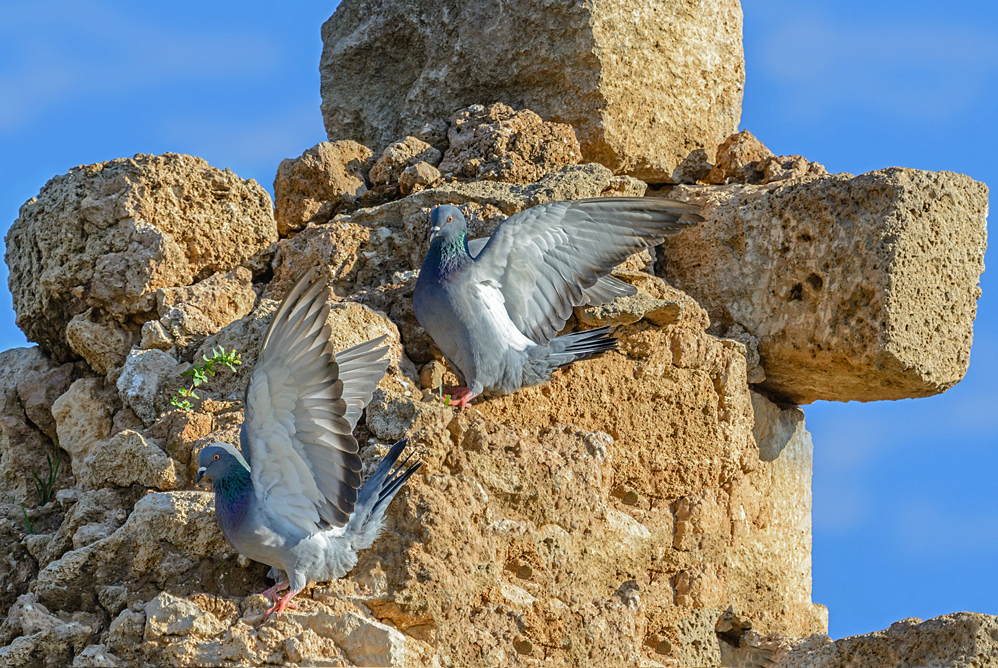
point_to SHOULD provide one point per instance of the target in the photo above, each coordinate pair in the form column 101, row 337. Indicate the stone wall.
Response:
column 649, row 507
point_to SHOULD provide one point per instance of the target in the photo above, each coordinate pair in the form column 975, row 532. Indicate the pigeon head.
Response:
column 221, row 462
column 447, row 222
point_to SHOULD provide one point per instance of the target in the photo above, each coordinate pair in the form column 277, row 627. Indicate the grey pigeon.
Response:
column 494, row 309
column 290, row 499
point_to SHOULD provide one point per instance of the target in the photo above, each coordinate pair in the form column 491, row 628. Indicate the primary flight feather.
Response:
column 292, row 498
column 494, row 308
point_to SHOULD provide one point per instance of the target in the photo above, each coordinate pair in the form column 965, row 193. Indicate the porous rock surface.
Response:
column 958, row 640
column 104, row 238
column 643, row 84
column 579, row 520
column 644, row 508
column 317, row 182
column 856, row 288
column 497, row 143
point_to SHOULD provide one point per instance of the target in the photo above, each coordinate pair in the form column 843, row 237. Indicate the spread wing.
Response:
column 606, row 289
column 549, row 258
column 301, row 408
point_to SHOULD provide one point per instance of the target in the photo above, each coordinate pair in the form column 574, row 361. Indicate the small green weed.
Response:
column 440, row 396
column 46, row 486
column 27, row 522
column 199, row 375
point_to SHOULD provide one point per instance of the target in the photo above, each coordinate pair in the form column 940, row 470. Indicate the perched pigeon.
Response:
column 495, row 307
column 290, row 499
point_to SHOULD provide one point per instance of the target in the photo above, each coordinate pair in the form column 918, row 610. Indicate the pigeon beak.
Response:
column 434, row 231
column 197, row 480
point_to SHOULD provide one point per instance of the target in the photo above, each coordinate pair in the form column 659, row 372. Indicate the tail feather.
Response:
column 374, row 497
column 580, row 345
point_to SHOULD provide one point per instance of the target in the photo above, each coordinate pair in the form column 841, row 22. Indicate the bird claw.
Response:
column 281, row 605
column 463, row 396
column 272, row 592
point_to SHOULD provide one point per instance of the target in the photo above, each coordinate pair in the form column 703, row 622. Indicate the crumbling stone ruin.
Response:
column 649, row 507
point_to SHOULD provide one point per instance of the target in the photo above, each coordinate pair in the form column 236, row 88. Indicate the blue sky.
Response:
column 905, row 503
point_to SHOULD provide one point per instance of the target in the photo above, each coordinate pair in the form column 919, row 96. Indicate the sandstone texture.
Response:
column 648, row 507
column 497, row 143
column 959, row 640
column 401, row 155
column 856, row 288
column 643, row 84
column 317, row 182
column 104, row 238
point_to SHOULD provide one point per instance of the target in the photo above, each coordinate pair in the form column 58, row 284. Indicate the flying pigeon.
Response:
column 290, row 498
column 495, row 307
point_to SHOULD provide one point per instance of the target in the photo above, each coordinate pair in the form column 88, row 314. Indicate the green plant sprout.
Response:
column 47, row 486
column 199, row 373
column 444, row 398
column 27, row 523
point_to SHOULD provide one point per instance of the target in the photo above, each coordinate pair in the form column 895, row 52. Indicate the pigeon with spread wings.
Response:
column 292, row 497
column 495, row 313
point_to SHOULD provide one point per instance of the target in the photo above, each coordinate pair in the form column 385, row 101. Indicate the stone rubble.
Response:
column 648, row 507
column 104, row 238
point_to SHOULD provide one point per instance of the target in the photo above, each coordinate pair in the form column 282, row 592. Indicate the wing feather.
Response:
column 553, row 257
column 300, row 412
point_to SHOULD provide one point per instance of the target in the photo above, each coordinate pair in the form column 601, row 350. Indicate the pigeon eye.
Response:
column 450, row 219
column 215, row 458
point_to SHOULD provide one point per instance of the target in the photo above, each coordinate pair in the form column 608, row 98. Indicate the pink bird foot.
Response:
column 283, row 604
column 271, row 593
column 463, row 397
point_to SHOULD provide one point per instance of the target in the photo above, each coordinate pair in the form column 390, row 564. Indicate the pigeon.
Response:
column 291, row 496
column 495, row 307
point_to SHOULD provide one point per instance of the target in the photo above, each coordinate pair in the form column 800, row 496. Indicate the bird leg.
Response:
column 282, row 604
column 270, row 593
column 463, row 396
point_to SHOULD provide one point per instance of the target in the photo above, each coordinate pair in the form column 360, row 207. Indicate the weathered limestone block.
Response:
column 328, row 174
column 127, row 459
column 102, row 342
column 538, row 511
column 83, row 418
column 739, row 160
column 417, row 177
column 107, row 236
column 23, row 451
column 167, row 615
column 203, row 631
column 24, row 373
column 643, row 84
column 170, row 542
column 397, row 157
column 859, row 288
column 95, row 515
column 191, row 313
column 47, row 640
column 143, row 382
column 496, row 143
column 959, row 639
column 38, row 389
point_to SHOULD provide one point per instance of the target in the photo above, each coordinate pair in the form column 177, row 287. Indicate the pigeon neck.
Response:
column 449, row 254
column 232, row 494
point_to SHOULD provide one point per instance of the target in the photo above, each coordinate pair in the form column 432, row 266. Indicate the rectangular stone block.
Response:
column 856, row 288
column 642, row 83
